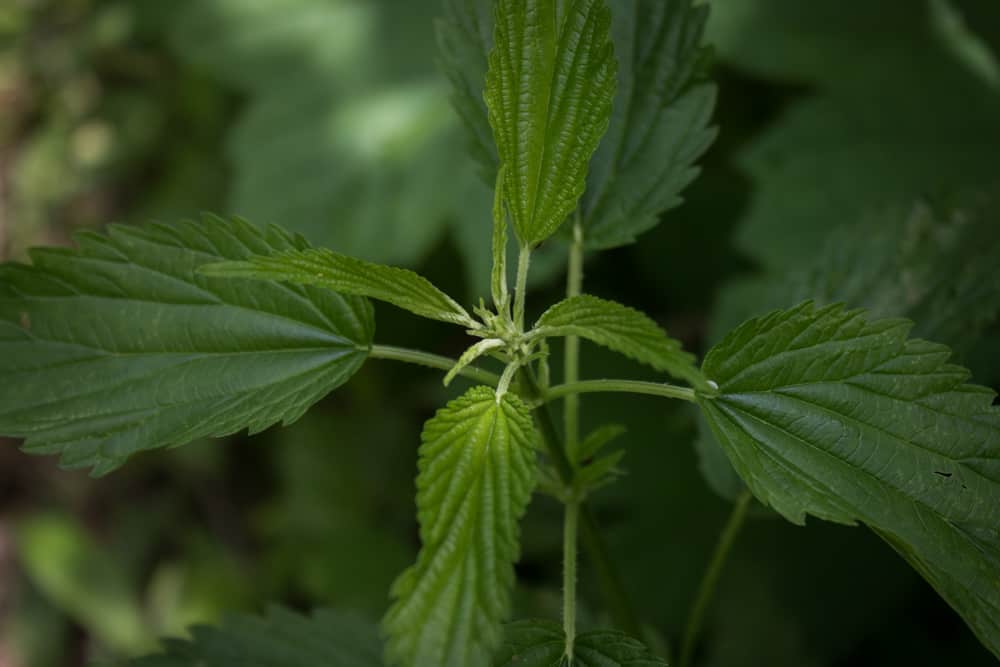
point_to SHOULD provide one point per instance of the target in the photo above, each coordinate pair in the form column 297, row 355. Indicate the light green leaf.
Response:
column 826, row 413
column 549, row 88
column 622, row 329
column 121, row 346
column 660, row 124
column 537, row 643
column 471, row 354
column 498, row 274
column 280, row 639
column 477, row 472
column 347, row 275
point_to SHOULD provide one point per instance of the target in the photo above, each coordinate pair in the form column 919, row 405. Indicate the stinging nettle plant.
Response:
column 589, row 128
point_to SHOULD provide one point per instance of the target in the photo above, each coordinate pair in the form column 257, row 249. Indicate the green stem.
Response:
column 706, row 589
column 569, row 574
column 429, row 360
column 523, row 262
column 571, row 355
column 572, row 389
column 610, row 581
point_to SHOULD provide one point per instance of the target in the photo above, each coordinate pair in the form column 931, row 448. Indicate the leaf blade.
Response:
column 279, row 639
column 348, row 275
column 660, row 125
column 622, row 329
column 121, row 346
column 549, row 89
column 477, row 473
column 538, row 643
column 826, row 413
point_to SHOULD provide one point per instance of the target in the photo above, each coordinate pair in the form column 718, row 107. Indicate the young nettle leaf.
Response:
column 660, row 125
column 623, row 330
column 549, row 88
column 348, row 275
column 477, row 473
column 122, row 346
column 537, row 643
column 823, row 412
column 280, row 639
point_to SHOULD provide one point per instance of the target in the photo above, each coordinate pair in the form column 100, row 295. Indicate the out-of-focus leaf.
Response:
column 121, row 346
column 279, row 639
column 79, row 577
column 659, row 126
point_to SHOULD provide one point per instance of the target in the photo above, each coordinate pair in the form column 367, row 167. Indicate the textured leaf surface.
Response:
column 825, row 413
column 348, row 275
column 621, row 329
column 540, row 644
column 935, row 267
column 866, row 138
column 660, row 124
column 281, row 639
column 549, row 88
column 121, row 346
column 477, row 472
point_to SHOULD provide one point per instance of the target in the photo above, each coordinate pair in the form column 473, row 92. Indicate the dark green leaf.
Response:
column 659, row 127
column 622, row 329
column 280, row 639
column 549, row 88
column 536, row 643
column 348, row 275
column 121, row 346
column 825, row 413
column 477, row 473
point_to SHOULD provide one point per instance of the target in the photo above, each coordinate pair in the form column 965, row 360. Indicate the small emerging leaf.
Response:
column 470, row 355
column 598, row 438
column 622, row 329
column 823, row 412
column 348, row 275
column 549, row 89
column 534, row 643
column 123, row 346
column 477, row 473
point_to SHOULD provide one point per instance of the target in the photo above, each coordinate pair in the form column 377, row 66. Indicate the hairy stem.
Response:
column 523, row 262
column 570, row 523
column 429, row 360
column 706, row 589
column 572, row 389
column 612, row 588
column 571, row 357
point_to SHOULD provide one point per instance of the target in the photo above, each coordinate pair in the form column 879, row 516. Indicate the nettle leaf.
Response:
column 549, row 88
column 825, row 413
column 660, row 125
column 465, row 39
column 536, row 643
column 122, row 346
column 280, row 639
column 477, row 473
column 621, row 329
column 348, row 275
column 933, row 265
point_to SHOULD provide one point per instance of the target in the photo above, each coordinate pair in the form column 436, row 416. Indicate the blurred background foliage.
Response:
column 858, row 137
